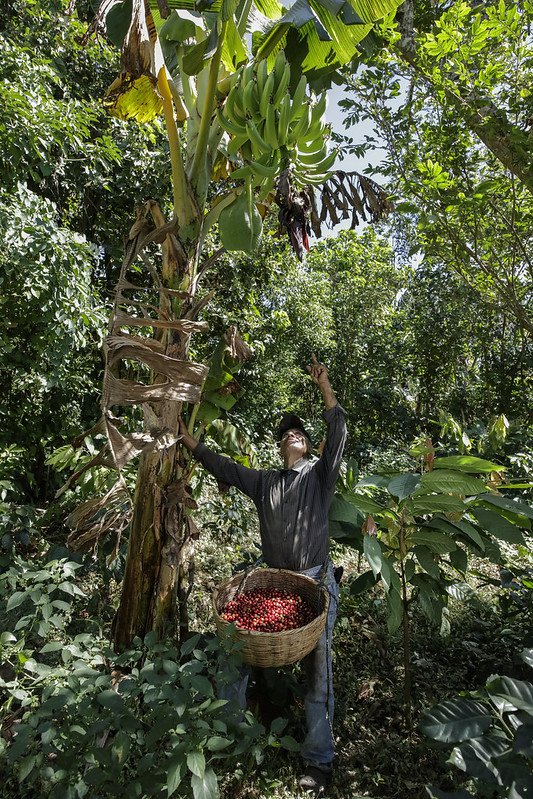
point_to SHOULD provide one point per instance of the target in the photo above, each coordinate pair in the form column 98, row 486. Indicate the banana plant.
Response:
column 419, row 528
column 240, row 88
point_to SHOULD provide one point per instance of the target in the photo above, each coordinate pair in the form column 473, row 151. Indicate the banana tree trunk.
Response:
column 160, row 538
column 160, row 543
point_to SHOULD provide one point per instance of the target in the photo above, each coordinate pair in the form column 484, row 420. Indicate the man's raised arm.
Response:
column 319, row 374
column 330, row 459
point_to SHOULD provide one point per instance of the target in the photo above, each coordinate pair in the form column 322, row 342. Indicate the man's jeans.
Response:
column 318, row 747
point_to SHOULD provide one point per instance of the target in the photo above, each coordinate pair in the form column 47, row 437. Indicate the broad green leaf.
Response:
column 431, row 503
column 208, row 412
column 518, row 692
column 234, row 50
column 427, row 561
column 527, row 656
column 278, row 725
column 395, row 606
column 523, row 742
column 456, row 720
column 470, row 532
column 365, row 504
column 8, row 638
column 460, row 591
column 199, row 55
column 346, row 532
column 179, row 26
column 373, row 553
column 206, row 786
column 174, row 767
column 448, row 482
column 26, row 767
column 289, row 743
column 111, row 700
column 363, row 583
column 375, row 480
column 433, row 539
column 16, row 599
column 159, row 728
column 517, row 507
column 409, row 568
column 403, row 485
column 118, row 21
column 345, row 522
column 475, row 757
column 343, row 511
column 233, row 442
column 455, row 528
column 431, row 605
column 216, row 743
column 468, row 463
column 196, row 763
column 459, row 559
column 121, row 746
column 216, row 704
column 388, row 575
column 497, row 526
column 201, row 684
column 326, row 35
column 240, row 223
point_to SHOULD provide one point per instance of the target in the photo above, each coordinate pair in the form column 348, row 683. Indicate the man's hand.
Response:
column 186, row 439
column 318, row 371
column 319, row 375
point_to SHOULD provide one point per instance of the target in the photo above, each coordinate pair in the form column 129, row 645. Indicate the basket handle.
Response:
column 246, row 573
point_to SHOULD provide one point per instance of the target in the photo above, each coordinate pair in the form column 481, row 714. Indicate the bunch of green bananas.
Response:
column 272, row 131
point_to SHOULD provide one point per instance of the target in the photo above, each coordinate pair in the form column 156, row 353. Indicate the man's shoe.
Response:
column 314, row 779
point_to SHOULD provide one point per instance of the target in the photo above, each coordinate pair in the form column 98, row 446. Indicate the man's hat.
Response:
column 291, row 422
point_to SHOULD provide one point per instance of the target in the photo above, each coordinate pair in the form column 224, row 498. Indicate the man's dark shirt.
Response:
column 292, row 504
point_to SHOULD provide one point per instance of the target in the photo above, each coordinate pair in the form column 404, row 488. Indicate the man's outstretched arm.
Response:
column 221, row 467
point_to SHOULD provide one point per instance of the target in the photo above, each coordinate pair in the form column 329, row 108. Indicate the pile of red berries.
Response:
column 268, row 610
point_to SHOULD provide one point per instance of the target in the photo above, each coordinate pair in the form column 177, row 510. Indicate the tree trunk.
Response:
column 161, row 534
column 160, row 541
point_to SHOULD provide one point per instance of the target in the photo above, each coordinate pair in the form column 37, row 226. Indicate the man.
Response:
column 292, row 505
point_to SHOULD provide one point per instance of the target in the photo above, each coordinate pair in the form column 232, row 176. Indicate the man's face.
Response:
column 293, row 442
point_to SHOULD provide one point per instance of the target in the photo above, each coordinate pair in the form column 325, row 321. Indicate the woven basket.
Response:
column 274, row 649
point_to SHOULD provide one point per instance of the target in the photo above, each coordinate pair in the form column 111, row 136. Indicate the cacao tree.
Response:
column 419, row 528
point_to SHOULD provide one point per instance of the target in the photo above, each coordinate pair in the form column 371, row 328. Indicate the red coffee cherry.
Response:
column 268, row 610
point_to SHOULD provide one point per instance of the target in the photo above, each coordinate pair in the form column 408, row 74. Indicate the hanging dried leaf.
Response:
column 343, row 196
column 186, row 326
column 183, row 379
column 98, row 517
column 348, row 193
column 129, row 392
column 148, row 351
column 239, row 349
